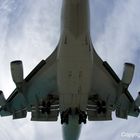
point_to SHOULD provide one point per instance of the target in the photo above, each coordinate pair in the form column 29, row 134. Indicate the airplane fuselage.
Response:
column 74, row 58
column 74, row 62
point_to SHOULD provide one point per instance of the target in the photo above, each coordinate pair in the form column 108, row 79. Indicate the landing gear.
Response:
column 65, row 116
column 101, row 107
column 82, row 116
column 46, row 107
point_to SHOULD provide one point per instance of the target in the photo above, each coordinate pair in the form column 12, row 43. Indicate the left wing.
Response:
column 38, row 94
column 109, row 93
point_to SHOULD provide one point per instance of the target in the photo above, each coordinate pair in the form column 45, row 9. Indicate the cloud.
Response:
column 120, row 40
column 29, row 34
column 30, row 31
column 100, row 10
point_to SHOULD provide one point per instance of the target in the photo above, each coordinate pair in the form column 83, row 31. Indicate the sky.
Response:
column 30, row 30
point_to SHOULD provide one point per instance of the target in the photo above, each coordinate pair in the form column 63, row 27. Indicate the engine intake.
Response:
column 17, row 71
column 128, row 74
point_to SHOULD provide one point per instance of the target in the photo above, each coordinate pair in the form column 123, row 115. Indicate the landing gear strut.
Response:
column 46, row 107
column 82, row 116
column 101, row 107
column 65, row 116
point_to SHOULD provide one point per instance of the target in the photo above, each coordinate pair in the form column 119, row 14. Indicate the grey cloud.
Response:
column 100, row 10
column 28, row 35
column 38, row 36
column 118, row 43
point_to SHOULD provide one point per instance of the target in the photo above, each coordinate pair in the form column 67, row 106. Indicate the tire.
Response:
column 104, row 110
column 43, row 111
column 103, row 103
column 79, row 121
column 67, row 121
column 99, row 110
column 84, row 121
column 62, row 122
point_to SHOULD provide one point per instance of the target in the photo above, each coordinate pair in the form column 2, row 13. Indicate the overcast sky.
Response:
column 29, row 30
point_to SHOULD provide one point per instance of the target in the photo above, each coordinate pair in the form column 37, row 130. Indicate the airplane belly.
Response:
column 74, row 76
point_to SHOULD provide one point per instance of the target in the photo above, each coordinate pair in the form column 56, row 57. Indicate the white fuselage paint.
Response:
column 74, row 63
column 74, row 58
column 74, row 73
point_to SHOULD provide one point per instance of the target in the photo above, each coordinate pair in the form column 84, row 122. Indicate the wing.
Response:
column 107, row 94
column 39, row 94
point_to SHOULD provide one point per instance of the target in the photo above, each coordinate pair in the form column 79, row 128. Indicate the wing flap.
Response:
column 95, row 116
column 39, row 116
column 20, row 114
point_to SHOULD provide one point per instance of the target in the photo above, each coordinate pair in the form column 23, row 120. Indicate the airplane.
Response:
column 73, row 82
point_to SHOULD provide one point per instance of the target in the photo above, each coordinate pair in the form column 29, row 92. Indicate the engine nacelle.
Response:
column 137, row 101
column 128, row 73
column 17, row 71
column 2, row 99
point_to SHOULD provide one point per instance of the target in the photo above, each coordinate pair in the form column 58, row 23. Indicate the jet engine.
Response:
column 2, row 99
column 128, row 74
column 137, row 101
column 17, row 72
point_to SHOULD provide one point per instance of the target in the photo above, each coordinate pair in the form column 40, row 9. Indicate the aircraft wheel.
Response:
column 103, row 103
column 62, row 121
column 48, row 110
column 82, row 117
column 104, row 110
column 43, row 111
column 79, row 121
column 84, row 121
column 99, row 110
column 64, row 118
column 66, row 121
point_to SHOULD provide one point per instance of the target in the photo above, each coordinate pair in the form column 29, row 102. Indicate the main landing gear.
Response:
column 46, row 107
column 101, row 107
column 65, row 116
column 82, row 116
